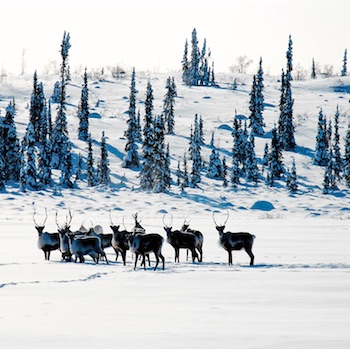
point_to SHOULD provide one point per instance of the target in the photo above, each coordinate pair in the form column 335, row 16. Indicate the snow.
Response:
column 297, row 295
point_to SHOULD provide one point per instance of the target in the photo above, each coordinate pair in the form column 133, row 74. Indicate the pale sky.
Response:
column 150, row 34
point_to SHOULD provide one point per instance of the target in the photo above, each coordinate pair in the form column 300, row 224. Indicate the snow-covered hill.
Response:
column 296, row 296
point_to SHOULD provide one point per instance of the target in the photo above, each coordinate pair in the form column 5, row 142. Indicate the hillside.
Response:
column 108, row 102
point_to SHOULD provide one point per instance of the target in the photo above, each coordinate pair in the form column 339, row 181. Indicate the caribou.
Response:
column 185, row 229
column 235, row 241
column 120, row 240
column 144, row 244
column 46, row 241
column 178, row 240
column 63, row 232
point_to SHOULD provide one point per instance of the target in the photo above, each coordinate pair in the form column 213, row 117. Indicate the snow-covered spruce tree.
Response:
column 49, row 121
column 338, row 162
column 60, row 140
column 194, row 76
column 185, row 65
column 179, row 174
column 259, row 93
column 196, row 155
column 23, row 161
column 265, row 159
column 251, row 165
column 289, row 55
column 321, row 150
column 214, row 170
column 313, row 70
column 276, row 168
column 255, row 117
column 147, row 174
column 344, row 70
column 235, row 172
column 32, row 175
column 329, row 179
column 167, row 174
column 346, row 172
column 56, row 94
column 292, row 180
column 11, row 147
column 67, row 171
column 2, row 169
column 185, row 179
column 168, row 106
column 103, row 171
column 131, row 158
column 83, row 111
column 44, row 163
column 285, row 122
column 138, row 127
column 90, row 169
column 224, row 173
column 159, row 158
column 212, row 140
column 201, row 130
column 78, row 173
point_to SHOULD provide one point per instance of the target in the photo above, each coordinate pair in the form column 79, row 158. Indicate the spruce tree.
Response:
column 224, row 173
column 159, row 159
column 185, row 179
column 292, row 183
column 83, row 111
column 103, row 166
column 146, row 175
column 215, row 166
column 196, row 155
column 276, row 167
column 60, row 141
column 259, row 94
column 2, row 165
column 179, row 174
column 32, row 175
column 11, row 147
column 90, row 169
column 131, row 158
column 194, row 76
column 338, row 162
column 251, row 165
column 289, row 55
column 313, row 70
column 321, row 151
column 255, row 118
column 185, row 66
column 167, row 175
column 235, row 172
column 346, row 173
column 44, row 163
column 23, row 161
column 168, row 106
column 344, row 70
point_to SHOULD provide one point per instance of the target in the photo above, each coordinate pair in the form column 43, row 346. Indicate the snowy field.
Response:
column 297, row 295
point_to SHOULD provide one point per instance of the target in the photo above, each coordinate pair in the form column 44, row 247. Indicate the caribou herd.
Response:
column 75, row 245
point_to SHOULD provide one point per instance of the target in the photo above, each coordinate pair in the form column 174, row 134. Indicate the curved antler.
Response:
column 228, row 214
column 171, row 221
column 56, row 220
column 214, row 219
column 36, row 224
column 110, row 217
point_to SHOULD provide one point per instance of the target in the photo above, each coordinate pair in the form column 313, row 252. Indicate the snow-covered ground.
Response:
column 296, row 296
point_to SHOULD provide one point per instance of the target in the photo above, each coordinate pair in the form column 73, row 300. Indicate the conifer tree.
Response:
column 313, row 70
column 32, row 175
column 285, row 122
column 83, row 111
column 196, row 155
column 168, row 106
column 60, row 141
column 91, row 174
column 235, row 172
column 103, row 166
column 289, row 56
column 276, row 167
column 179, row 174
column 44, row 163
column 185, row 66
column 215, row 166
column 329, row 179
column 23, row 161
column 146, row 175
column 346, row 173
column 185, row 179
column 2, row 169
column 159, row 158
column 194, row 77
column 131, row 159
column 338, row 162
column 292, row 183
column 224, row 173
column 11, row 147
column 255, row 118
column 167, row 175
column 321, row 151
column 265, row 159
column 344, row 70
column 259, row 93
column 251, row 165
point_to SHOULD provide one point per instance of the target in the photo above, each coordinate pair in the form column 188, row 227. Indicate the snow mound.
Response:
column 95, row 116
column 225, row 127
column 263, row 206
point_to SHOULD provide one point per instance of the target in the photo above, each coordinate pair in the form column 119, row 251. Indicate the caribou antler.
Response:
column 171, row 221
column 36, row 224
column 228, row 214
